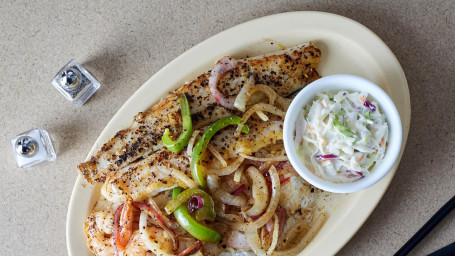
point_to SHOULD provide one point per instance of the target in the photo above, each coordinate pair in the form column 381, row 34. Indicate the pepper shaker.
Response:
column 75, row 83
column 32, row 148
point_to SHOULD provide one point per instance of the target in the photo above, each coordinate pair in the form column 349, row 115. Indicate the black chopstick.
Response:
column 425, row 229
column 444, row 251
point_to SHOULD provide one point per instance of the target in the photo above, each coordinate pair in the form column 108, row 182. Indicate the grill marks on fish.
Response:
column 285, row 72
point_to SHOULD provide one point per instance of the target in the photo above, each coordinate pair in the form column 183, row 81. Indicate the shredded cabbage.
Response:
column 341, row 136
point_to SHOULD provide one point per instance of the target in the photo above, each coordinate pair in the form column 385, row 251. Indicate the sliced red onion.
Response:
column 282, row 217
column 370, row 106
column 224, row 65
column 195, row 202
column 268, row 180
column 192, row 249
column 161, row 222
column 238, row 190
column 255, row 217
column 279, row 165
column 329, row 156
column 148, row 209
column 357, row 174
column 285, row 181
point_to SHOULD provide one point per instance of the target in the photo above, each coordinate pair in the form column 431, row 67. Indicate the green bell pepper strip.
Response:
column 193, row 227
column 343, row 129
column 182, row 140
column 207, row 211
column 197, row 170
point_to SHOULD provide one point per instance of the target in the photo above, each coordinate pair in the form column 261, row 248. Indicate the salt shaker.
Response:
column 75, row 83
column 32, row 148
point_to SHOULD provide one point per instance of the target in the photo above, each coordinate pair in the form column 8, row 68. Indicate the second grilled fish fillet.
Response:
column 160, row 171
column 165, row 170
column 285, row 72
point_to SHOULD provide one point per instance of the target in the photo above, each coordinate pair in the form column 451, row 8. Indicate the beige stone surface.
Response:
column 125, row 43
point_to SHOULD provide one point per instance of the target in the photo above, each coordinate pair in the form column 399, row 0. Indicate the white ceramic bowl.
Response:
column 348, row 83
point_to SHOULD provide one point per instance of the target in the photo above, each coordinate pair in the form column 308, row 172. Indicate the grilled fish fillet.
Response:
column 165, row 170
column 285, row 72
column 159, row 172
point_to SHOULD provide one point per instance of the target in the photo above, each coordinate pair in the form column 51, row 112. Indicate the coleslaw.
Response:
column 341, row 136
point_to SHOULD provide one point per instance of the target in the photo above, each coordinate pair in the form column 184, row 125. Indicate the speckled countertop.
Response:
column 125, row 43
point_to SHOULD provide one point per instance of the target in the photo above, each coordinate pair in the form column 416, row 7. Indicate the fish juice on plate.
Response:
column 341, row 135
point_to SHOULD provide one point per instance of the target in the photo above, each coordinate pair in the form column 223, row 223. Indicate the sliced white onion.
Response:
column 155, row 207
column 241, row 101
column 238, row 174
column 217, row 155
column 265, row 159
column 292, row 232
column 242, row 98
column 228, row 169
column 189, row 149
column 262, row 116
column 155, row 190
column 283, row 102
column 220, row 212
column 276, row 230
column 190, row 183
column 255, row 242
column 223, row 196
column 306, row 239
column 255, row 108
column 151, row 245
column 266, row 90
column 260, row 192
column 274, row 199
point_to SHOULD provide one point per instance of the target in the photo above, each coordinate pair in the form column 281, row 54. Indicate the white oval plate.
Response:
column 347, row 47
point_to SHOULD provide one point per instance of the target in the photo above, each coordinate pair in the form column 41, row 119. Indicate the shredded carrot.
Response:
column 361, row 157
column 362, row 99
column 312, row 170
column 325, row 160
column 323, row 142
column 309, row 127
